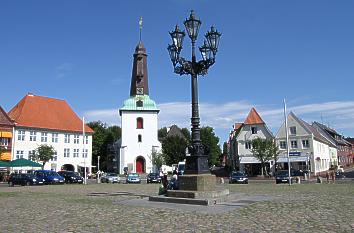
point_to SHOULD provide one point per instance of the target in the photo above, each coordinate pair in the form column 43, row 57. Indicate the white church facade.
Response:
column 139, row 121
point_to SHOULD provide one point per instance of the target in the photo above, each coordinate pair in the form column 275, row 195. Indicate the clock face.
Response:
column 139, row 91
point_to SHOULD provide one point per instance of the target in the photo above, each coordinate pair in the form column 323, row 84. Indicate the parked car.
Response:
column 133, row 178
column 24, row 179
column 238, row 177
column 71, row 177
column 297, row 172
column 340, row 168
column 50, row 177
column 110, row 178
column 153, row 178
column 282, row 176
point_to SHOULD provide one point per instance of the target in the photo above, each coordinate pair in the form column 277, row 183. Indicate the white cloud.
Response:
column 221, row 117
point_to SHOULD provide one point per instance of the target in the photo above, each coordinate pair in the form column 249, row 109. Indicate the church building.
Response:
column 139, row 121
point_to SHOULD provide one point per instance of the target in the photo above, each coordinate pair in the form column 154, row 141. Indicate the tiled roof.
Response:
column 175, row 132
column 46, row 113
column 237, row 126
column 5, row 119
column 253, row 118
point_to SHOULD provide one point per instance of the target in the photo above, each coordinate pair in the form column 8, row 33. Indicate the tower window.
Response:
column 139, row 104
column 139, row 123
column 139, row 138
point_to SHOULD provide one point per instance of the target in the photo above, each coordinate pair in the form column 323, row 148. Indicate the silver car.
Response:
column 110, row 178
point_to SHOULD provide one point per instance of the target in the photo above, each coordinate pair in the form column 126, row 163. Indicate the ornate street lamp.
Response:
column 197, row 163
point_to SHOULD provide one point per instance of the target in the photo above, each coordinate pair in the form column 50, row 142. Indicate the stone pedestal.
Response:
column 201, row 182
column 195, row 190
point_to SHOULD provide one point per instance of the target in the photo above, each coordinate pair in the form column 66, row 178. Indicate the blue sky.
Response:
column 82, row 51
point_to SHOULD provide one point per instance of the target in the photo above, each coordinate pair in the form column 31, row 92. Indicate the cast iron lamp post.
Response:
column 197, row 163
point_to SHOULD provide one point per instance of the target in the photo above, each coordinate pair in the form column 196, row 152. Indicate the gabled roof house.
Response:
column 42, row 120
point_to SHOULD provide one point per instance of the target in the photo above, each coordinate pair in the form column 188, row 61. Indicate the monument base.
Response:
column 200, row 182
column 195, row 190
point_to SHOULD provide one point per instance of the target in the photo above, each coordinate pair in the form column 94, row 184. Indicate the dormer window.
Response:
column 139, row 123
column 254, row 129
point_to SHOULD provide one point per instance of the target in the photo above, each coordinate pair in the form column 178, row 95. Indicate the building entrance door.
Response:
column 140, row 165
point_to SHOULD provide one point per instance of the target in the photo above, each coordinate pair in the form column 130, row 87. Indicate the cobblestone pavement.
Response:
column 70, row 208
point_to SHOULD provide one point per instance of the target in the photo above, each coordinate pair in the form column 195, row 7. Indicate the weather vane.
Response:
column 140, row 26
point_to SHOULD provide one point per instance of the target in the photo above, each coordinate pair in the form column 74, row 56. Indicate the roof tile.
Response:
column 253, row 118
column 46, row 113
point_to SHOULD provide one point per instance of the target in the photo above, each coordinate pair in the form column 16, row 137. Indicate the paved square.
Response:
column 258, row 207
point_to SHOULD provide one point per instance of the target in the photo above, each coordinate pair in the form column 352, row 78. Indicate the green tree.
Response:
column 162, row 133
column 157, row 159
column 211, row 147
column 43, row 153
column 186, row 133
column 264, row 150
column 102, row 137
column 273, row 151
column 174, row 149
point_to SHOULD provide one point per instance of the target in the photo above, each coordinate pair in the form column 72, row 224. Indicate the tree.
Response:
column 264, row 150
column 162, row 133
column 102, row 137
column 211, row 147
column 43, row 153
column 273, row 151
column 157, row 159
column 174, row 149
column 186, row 134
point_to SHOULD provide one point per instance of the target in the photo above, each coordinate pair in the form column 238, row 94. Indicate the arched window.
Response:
column 139, row 123
column 139, row 138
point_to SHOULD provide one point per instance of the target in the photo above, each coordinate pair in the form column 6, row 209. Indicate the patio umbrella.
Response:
column 4, row 164
column 23, row 163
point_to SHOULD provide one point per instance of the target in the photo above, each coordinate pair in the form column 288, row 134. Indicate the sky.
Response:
column 82, row 51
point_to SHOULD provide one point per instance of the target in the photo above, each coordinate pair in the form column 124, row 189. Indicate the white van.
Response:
column 181, row 167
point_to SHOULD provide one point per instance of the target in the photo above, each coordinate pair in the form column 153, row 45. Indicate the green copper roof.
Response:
column 133, row 103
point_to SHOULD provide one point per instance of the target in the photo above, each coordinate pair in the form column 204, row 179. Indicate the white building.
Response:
column 241, row 143
column 139, row 121
column 42, row 120
column 308, row 148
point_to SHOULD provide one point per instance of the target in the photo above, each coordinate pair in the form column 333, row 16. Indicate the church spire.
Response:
column 139, row 83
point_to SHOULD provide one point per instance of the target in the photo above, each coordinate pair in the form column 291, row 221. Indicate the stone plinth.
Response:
column 198, row 189
column 200, row 182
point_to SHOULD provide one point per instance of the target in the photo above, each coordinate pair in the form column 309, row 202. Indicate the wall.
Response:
column 130, row 147
column 28, row 145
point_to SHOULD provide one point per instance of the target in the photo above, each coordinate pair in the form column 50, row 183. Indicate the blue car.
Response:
column 50, row 177
column 133, row 178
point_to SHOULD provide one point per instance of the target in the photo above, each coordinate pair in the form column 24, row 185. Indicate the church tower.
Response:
column 138, row 120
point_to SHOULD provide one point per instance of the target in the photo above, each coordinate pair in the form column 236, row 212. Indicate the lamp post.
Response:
column 197, row 163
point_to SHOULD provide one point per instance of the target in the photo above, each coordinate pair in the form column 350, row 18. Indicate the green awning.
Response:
column 4, row 164
column 23, row 163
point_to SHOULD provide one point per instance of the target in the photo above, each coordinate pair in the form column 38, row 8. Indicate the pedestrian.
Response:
column 327, row 176
column 333, row 176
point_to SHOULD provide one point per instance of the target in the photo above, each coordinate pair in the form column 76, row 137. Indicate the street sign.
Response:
column 294, row 153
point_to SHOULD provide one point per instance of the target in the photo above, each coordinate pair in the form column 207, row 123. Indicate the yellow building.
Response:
column 6, row 133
